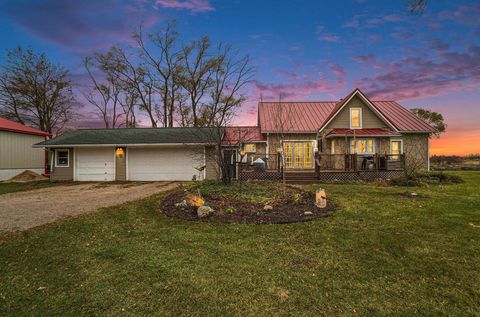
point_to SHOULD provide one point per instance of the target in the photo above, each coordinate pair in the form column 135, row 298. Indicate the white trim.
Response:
column 369, row 104
column 126, row 163
column 56, row 158
column 332, row 146
column 360, row 118
column 401, row 145
column 205, row 162
column 114, row 164
column 74, row 164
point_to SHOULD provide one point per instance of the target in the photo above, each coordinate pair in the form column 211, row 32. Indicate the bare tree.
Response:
column 105, row 95
column 128, row 102
column 35, row 91
column 133, row 76
column 166, row 65
column 196, row 78
column 417, row 6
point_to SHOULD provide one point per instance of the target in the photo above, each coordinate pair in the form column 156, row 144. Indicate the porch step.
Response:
column 300, row 177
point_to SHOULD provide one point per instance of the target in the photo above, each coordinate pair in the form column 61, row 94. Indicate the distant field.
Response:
column 455, row 162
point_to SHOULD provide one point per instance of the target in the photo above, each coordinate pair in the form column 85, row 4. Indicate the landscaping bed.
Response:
column 254, row 202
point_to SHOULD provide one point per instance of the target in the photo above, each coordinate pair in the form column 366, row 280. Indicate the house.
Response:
column 16, row 151
column 349, row 139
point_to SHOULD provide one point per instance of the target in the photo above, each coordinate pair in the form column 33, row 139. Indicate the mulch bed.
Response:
column 287, row 208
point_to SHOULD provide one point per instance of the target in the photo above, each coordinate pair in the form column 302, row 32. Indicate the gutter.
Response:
column 118, row 145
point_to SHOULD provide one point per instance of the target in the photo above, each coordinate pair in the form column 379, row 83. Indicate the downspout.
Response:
column 51, row 163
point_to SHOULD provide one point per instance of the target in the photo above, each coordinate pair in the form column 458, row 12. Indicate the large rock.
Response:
column 204, row 211
column 267, row 208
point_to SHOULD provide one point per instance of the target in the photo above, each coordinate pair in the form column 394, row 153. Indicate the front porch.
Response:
column 327, row 167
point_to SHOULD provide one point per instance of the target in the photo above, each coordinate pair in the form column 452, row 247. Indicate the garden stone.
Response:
column 267, row 208
column 183, row 204
column 204, row 211
column 308, row 213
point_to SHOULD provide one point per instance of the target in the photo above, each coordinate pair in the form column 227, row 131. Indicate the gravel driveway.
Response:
column 23, row 210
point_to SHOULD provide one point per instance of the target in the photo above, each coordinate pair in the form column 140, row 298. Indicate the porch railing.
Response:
column 260, row 162
column 359, row 162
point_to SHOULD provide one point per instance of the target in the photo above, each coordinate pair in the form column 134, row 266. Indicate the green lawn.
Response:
column 379, row 254
column 20, row 187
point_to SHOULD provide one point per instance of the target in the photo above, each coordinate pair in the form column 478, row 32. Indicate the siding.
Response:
column 212, row 169
column 415, row 148
column 16, row 151
column 369, row 118
column 63, row 173
column 121, row 167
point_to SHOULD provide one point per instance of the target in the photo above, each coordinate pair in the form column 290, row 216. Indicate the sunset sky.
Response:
column 304, row 50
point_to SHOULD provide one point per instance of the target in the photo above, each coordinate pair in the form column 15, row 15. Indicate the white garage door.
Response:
column 95, row 164
column 163, row 164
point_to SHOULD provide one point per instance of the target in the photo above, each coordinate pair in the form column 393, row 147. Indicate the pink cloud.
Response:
column 191, row 5
column 416, row 77
column 365, row 58
column 464, row 14
column 329, row 37
column 294, row 90
column 337, row 70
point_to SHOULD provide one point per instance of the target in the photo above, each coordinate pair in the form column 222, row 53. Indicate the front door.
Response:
column 298, row 154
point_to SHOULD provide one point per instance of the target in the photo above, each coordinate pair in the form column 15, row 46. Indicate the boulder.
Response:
column 204, row 211
column 182, row 204
column 267, row 208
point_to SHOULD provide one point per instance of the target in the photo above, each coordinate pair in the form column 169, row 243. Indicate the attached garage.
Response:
column 153, row 154
column 163, row 163
column 94, row 164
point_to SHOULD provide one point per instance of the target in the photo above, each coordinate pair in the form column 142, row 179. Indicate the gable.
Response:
column 369, row 118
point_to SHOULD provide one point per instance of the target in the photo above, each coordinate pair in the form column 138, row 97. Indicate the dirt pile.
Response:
column 27, row 176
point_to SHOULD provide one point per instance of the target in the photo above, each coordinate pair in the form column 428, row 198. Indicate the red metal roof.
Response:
column 362, row 132
column 403, row 119
column 311, row 116
column 293, row 116
column 242, row 134
column 11, row 126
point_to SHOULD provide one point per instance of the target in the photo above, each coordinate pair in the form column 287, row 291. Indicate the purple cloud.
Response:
column 191, row 5
column 402, row 35
column 415, row 77
column 337, row 70
column 465, row 14
column 79, row 25
column 294, row 90
column 327, row 37
column 364, row 58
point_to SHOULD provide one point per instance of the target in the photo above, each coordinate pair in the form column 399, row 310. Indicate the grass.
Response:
column 381, row 253
column 6, row 188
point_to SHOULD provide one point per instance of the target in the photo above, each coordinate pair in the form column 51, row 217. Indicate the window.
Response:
column 249, row 148
column 355, row 118
column 332, row 150
column 362, row 146
column 62, row 158
column 396, row 148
